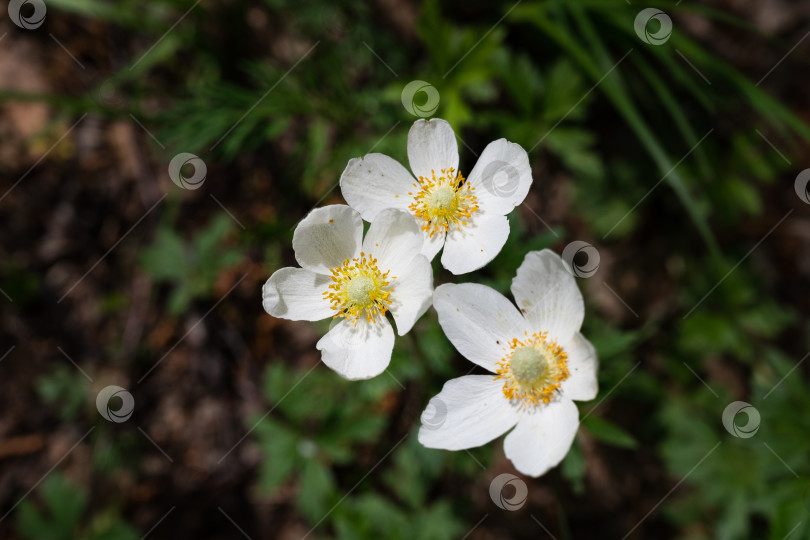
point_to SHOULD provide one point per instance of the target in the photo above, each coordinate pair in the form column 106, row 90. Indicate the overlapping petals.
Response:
column 359, row 346
column 474, row 229
column 481, row 323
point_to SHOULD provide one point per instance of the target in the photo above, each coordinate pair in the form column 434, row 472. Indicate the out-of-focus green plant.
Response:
column 318, row 426
column 191, row 267
column 745, row 479
column 60, row 516
column 66, row 388
column 572, row 83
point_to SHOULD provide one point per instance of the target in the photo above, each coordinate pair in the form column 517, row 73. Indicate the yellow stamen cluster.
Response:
column 359, row 289
column 532, row 369
column 440, row 202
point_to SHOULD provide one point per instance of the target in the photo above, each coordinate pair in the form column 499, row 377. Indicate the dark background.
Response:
column 676, row 161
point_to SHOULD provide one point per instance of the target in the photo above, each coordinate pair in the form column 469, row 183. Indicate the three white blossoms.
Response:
column 538, row 359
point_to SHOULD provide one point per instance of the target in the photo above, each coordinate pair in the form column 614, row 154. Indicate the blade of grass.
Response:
column 613, row 88
column 670, row 103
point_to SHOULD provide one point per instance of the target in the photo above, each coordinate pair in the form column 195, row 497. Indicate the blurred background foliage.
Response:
column 675, row 161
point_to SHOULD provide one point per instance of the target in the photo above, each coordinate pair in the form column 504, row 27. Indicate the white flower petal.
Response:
column 470, row 247
column 432, row 244
column 394, row 239
column 468, row 412
column 327, row 237
column 376, row 182
column 478, row 321
column 297, row 294
column 501, row 177
column 412, row 294
column 548, row 296
column 358, row 352
column 581, row 383
column 432, row 146
column 542, row 437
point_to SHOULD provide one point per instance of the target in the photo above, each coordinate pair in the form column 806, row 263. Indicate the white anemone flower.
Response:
column 538, row 359
column 466, row 216
column 355, row 281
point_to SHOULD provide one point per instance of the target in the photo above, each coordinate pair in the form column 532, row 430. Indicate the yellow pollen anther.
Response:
column 532, row 369
column 440, row 202
column 359, row 289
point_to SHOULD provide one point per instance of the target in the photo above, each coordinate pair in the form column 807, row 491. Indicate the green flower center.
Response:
column 528, row 365
column 533, row 369
column 443, row 200
column 360, row 290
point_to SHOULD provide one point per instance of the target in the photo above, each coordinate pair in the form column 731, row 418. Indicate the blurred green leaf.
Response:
column 316, row 490
column 608, row 432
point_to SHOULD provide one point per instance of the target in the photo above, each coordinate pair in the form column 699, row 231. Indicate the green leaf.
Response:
column 609, row 433
column 573, row 467
column 280, row 450
column 316, row 490
column 110, row 526
column 59, row 519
